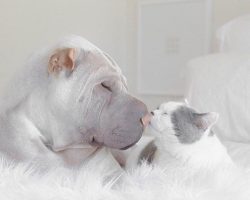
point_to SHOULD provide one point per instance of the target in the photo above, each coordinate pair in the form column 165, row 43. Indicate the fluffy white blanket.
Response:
column 98, row 179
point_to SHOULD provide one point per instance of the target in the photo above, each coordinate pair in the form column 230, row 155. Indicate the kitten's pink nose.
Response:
column 146, row 119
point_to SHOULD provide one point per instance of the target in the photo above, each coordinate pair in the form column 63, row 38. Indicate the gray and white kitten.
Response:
column 183, row 135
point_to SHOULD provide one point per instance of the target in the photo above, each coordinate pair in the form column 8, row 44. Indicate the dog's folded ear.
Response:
column 62, row 59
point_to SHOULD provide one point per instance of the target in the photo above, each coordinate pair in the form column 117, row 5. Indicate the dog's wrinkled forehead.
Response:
column 84, row 55
column 98, row 59
column 183, row 119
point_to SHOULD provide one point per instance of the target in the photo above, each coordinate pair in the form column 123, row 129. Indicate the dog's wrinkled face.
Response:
column 88, row 95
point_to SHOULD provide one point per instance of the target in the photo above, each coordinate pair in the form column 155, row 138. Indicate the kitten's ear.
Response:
column 206, row 120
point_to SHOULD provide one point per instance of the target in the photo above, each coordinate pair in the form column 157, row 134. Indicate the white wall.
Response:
column 222, row 11
column 26, row 25
column 225, row 10
column 110, row 24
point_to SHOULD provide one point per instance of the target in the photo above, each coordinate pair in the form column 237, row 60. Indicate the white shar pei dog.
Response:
column 67, row 102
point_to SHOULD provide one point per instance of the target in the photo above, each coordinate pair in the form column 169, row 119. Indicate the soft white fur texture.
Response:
column 98, row 179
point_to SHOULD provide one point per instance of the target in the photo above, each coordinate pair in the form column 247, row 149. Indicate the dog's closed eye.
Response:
column 106, row 87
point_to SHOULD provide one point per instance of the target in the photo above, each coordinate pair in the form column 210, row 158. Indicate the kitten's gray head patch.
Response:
column 184, row 120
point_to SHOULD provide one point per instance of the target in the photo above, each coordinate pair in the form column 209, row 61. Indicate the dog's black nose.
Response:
column 152, row 113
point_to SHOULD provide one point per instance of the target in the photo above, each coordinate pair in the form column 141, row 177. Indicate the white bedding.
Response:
column 221, row 83
column 99, row 180
column 239, row 152
column 234, row 35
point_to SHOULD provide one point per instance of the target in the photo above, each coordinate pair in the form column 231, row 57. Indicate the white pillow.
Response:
column 234, row 36
column 221, row 83
column 239, row 152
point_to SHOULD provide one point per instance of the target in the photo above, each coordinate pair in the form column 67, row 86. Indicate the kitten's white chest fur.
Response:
column 184, row 137
column 207, row 154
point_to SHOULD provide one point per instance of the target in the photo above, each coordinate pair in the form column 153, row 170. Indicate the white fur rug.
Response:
column 97, row 180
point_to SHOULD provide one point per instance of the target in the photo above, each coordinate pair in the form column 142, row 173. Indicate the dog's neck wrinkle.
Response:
column 54, row 132
column 31, row 117
column 18, row 118
column 37, row 113
column 73, row 155
column 22, row 114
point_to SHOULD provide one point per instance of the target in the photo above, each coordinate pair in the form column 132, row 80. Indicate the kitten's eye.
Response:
column 165, row 113
column 106, row 87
